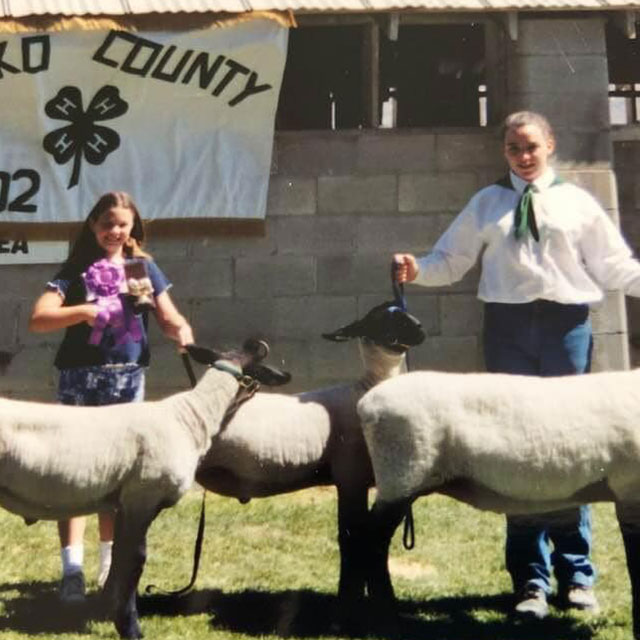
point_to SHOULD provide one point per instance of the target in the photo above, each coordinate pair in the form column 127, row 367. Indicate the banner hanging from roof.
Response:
column 183, row 121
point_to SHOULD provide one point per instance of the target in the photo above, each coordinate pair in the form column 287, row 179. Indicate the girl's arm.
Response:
column 49, row 315
column 173, row 324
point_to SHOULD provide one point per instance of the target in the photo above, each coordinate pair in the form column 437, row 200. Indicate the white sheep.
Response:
column 59, row 461
column 279, row 443
column 506, row 443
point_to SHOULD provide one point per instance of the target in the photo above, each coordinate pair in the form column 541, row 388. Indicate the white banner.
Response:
column 183, row 121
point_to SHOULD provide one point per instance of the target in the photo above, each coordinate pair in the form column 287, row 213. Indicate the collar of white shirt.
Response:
column 540, row 183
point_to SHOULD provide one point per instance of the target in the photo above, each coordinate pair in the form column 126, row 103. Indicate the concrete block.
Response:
column 208, row 247
column 291, row 195
column 29, row 374
column 9, row 322
column 395, row 152
column 389, row 234
column 338, row 362
column 599, row 183
column 199, row 279
column 456, row 151
column 561, row 37
column 277, row 276
column 590, row 114
column 307, row 318
column 569, row 74
column 227, row 322
column 315, row 154
column 357, row 194
column 584, row 148
column 461, row 315
column 167, row 248
column 166, row 374
column 26, row 281
column 436, row 192
column 315, row 235
column 447, row 354
column 610, row 315
column 610, row 352
column 353, row 274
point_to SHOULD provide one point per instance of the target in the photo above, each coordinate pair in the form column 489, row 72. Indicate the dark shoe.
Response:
column 581, row 597
column 531, row 603
column 72, row 588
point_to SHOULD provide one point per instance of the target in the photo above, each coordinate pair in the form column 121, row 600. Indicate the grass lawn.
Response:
column 270, row 568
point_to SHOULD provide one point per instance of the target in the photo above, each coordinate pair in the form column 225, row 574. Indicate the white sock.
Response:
column 105, row 556
column 72, row 558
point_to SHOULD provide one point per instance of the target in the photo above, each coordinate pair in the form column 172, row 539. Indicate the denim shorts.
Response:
column 101, row 385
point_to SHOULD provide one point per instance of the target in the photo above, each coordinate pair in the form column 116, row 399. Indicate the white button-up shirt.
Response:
column 580, row 252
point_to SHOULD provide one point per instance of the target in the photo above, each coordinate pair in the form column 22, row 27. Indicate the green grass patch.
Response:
column 270, row 569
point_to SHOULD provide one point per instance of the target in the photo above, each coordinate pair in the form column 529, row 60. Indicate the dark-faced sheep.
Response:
column 279, row 443
column 507, row 443
column 59, row 461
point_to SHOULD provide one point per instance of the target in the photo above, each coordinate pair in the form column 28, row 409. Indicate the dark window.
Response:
column 623, row 59
column 432, row 75
column 322, row 86
column 435, row 74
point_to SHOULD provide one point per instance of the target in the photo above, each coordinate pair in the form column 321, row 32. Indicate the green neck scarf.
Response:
column 524, row 215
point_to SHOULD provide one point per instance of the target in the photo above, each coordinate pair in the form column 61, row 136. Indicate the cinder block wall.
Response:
column 340, row 204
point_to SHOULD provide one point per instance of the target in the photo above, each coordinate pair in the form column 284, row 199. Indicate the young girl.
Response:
column 549, row 251
column 105, row 348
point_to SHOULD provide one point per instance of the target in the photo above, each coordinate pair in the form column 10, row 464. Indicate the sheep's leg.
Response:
column 629, row 521
column 129, row 555
column 384, row 520
column 352, row 532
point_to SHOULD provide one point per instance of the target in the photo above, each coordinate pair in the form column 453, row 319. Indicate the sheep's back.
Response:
column 508, row 433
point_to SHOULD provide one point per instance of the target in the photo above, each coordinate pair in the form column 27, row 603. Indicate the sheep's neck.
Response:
column 203, row 408
column 379, row 364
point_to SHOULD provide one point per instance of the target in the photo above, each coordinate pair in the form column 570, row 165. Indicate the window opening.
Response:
column 623, row 60
column 434, row 75
column 323, row 81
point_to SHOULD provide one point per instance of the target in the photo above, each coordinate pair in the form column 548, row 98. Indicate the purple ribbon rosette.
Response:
column 105, row 281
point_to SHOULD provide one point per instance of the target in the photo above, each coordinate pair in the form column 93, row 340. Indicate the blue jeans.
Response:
column 543, row 338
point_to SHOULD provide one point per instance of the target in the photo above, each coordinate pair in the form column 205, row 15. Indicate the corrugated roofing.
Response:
column 21, row 8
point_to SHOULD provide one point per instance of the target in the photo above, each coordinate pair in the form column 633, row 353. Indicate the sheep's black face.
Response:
column 249, row 359
column 386, row 325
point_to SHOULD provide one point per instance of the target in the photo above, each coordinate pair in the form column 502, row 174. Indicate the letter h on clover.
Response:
column 83, row 137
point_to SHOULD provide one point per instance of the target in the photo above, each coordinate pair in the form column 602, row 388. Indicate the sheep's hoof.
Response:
column 128, row 628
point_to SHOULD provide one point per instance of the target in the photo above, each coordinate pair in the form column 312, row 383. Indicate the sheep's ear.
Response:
column 202, row 355
column 267, row 375
column 257, row 349
column 345, row 333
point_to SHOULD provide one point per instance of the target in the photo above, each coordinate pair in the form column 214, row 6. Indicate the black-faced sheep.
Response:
column 280, row 443
column 506, row 443
column 59, row 461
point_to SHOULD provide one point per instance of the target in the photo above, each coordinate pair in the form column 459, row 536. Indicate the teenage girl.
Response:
column 549, row 252
column 105, row 349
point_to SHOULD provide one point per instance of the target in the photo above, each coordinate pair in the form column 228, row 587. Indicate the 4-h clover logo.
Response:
column 83, row 137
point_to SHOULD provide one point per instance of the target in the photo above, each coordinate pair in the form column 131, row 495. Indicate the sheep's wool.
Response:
column 525, row 443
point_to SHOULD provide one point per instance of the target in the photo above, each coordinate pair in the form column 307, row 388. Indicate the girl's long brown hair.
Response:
column 86, row 250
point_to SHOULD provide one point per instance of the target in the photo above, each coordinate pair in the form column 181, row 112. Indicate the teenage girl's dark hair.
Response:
column 86, row 250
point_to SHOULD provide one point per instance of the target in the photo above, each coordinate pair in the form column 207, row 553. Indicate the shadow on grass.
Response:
column 303, row 614
column 37, row 609
column 309, row 614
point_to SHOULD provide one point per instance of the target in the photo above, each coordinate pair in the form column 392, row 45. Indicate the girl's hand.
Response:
column 184, row 335
column 91, row 313
column 405, row 267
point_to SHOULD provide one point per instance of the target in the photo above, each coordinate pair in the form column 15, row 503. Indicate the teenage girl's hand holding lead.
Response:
column 405, row 267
